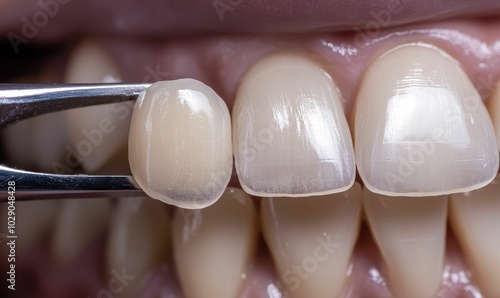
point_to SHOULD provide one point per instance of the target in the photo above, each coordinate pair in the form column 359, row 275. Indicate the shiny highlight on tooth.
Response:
column 180, row 143
column 290, row 134
column 420, row 126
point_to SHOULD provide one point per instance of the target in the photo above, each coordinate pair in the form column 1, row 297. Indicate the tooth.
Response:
column 97, row 132
column 180, row 143
column 291, row 137
column 494, row 110
column 410, row 233
column 138, row 239
column 78, row 223
column 475, row 219
column 421, row 128
column 311, row 240
column 213, row 246
column 36, row 149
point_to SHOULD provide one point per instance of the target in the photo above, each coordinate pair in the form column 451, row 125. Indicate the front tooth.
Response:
column 138, row 239
column 78, row 223
column 98, row 132
column 410, row 233
column 420, row 126
column 475, row 219
column 180, row 143
column 213, row 246
column 311, row 240
column 291, row 137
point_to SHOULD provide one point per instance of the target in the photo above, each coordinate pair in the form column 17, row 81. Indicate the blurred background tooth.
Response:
column 37, row 149
column 97, row 132
column 138, row 240
column 494, row 110
column 410, row 233
column 311, row 241
column 42, row 143
column 420, row 126
column 78, row 223
column 475, row 219
column 290, row 134
column 180, row 143
column 214, row 246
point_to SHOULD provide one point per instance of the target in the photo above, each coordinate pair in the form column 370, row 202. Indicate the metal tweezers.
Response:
column 22, row 101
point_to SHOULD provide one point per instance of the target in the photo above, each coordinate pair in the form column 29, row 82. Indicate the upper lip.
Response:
column 160, row 18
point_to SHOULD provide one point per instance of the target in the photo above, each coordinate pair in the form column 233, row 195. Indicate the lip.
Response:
column 156, row 18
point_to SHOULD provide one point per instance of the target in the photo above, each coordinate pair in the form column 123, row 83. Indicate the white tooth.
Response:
column 32, row 221
column 421, row 128
column 312, row 239
column 291, row 136
column 410, row 233
column 494, row 110
column 98, row 132
column 475, row 219
column 138, row 239
column 78, row 223
column 180, row 143
column 214, row 246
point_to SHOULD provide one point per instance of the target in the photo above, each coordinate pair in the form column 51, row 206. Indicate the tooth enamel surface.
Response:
column 475, row 219
column 180, row 143
column 290, row 135
column 311, row 241
column 139, row 239
column 420, row 126
column 410, row 234
column 77, row 224
column 97, row 132
column 214, row 246
column 494, row 110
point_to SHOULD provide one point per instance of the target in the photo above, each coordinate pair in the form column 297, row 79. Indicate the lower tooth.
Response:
column 410, row 233
column 214, row 246
column 78, row 223
column 311, row 240
column 180, row 143
column 139, row 239
column 475, row 219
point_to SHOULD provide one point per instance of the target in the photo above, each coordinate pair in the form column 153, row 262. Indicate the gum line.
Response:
column 221, row 61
